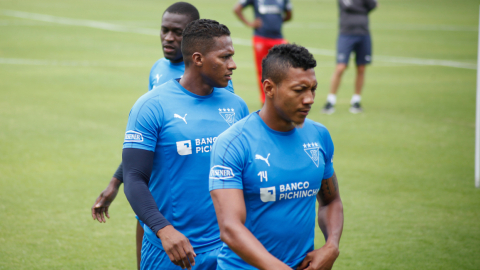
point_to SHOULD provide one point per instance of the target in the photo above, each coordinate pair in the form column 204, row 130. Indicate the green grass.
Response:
column 405, row 166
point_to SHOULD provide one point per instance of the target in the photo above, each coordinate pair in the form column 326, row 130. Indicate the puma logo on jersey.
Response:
column 257, row 156
column 178, row 116
column 158, row 77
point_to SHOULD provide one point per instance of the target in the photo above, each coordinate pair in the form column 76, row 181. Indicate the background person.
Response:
column 354, row 36
column 168, row 140
column 269, row 17
column 266, row 173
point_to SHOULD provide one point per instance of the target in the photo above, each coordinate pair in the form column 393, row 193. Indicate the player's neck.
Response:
column 273, row 120
column 195, row 83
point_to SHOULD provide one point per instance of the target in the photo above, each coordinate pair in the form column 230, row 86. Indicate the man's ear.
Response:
column 197, row 59
column 269, row 87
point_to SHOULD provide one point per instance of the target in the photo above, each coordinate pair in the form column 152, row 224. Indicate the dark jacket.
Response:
column 354, row 16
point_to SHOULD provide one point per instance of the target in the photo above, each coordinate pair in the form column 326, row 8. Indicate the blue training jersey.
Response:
column 280, row 174
column 271, row 14
column 181, row 127
column 163, row 70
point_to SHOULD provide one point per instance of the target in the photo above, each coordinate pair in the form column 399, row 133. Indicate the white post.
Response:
column 477, row 125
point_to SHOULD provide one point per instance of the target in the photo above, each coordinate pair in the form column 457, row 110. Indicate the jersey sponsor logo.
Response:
column 257, row 156
column 268, row 194
column 296, row 190
column 133, row 136
column 221, row 172
column 312, row 151
column 228, row 115
column 269, row 8
column 204, row 145
column 179, row 117
column 184, row 147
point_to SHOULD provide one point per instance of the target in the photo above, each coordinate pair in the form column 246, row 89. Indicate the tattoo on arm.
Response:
column 329, row 189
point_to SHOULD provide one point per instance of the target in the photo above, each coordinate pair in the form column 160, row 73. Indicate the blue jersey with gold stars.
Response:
column 280, row 174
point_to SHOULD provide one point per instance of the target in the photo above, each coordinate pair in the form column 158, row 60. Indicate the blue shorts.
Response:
column 361, row 44
column 156, row 258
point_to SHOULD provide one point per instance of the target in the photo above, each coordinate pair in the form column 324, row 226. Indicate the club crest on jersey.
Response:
column 228, row 115
column 312, row 151
column 133, row 136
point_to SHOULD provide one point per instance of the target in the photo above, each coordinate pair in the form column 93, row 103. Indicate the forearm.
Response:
column 246, row 245
column 238, row 10
column 119, row 173
column 137, row 170
column 288, row 16
column 330, row 221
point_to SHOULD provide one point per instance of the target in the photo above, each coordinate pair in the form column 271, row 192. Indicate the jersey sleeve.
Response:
column 327, row 145
column 150, row 78
column 370, row 4
column 144, row 124
column 226, row 163
column 288, row 5
column 245, row 3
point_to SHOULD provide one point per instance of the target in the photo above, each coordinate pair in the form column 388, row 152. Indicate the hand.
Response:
column 257, row 23
column 100, row 207
column 320, row 259
column 177, row 247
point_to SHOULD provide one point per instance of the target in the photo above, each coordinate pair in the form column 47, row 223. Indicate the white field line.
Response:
column 38, row 62
column 236, row 41
column 405, row 27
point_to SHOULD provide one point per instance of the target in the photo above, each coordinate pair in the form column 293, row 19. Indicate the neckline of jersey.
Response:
column 190, row 93
column 281, row 133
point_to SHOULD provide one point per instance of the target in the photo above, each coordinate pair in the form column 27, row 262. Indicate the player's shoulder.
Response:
column 320, row 128
column 224, row 94
column 235, row 132
column 154, row 97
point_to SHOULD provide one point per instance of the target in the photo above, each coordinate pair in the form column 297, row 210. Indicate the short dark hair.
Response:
column 198, row 36
column 184, row 8
column 284, row 56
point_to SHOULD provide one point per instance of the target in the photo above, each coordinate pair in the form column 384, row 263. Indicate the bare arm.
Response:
column 102, row 203
column 330, row 221
column 231, row 213
column 288, row 16
column 238, row 10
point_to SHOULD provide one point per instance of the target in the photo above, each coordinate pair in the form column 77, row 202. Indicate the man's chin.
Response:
column 221, row 84
column 172, row 58
column 299, row 123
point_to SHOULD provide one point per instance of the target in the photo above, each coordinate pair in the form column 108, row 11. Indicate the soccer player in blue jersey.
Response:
column 267, row 170
column 175, row 18
column 166, row 154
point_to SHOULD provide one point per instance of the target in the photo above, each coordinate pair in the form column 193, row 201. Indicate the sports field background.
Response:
column 405, row 166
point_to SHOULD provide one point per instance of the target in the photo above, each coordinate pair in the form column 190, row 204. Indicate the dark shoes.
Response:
column 356, row 108
column 328, row 108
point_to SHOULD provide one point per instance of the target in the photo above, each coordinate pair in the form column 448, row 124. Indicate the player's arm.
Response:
column 137, row 164
column 288, row 11
column 231, row 213
column 371, row 4
column 238, row 10
column 102, row 203
column 330, row 221
column 353, row 6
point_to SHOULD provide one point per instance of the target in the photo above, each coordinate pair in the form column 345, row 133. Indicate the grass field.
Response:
column 405, row 166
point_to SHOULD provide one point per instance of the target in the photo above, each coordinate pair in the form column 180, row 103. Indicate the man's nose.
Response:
column 232, row 65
